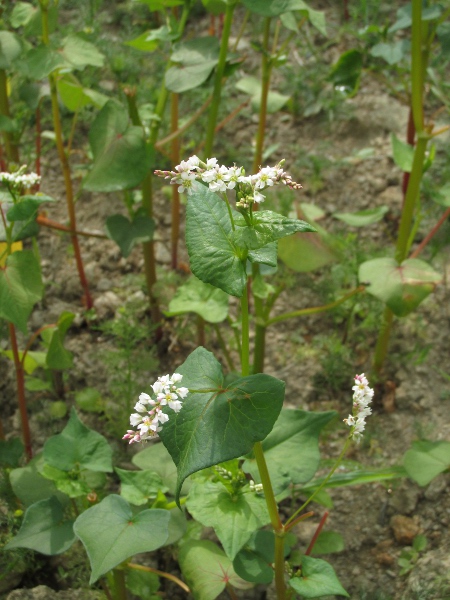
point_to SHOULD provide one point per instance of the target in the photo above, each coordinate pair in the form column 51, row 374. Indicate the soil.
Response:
column 412, row 403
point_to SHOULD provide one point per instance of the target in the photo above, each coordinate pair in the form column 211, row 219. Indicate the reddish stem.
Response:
column 20, row 378
column 430, row 235
column 316, row 533
column 2, row 160
column 41, row 220
column 410, row 135
column 346, row 13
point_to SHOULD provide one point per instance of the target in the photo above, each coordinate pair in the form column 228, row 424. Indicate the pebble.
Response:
column 107, row 304
column 405, row 529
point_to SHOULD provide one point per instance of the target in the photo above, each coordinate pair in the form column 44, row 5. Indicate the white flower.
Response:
column 135, row 419
column 209, row 176
column 176, row 377
column 362, row 397
column 175, row 405
column 144, row 398
column 140, row 407
column 182, row 392
column 257, row 197
column 211, row 163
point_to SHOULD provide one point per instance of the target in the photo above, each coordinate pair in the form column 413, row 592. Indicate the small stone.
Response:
column 107, row 304
column 437, row 486
column 405, row 529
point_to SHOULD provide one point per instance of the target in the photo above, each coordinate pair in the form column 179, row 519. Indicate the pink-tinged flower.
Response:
column 362, row 397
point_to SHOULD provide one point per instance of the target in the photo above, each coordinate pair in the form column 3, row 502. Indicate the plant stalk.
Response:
column 65, row 166
column 266, row 69
column 12, row 152
column 220, row 69
column 173, row 578
column 175, row 155
column 120, row 589
column 20, row 379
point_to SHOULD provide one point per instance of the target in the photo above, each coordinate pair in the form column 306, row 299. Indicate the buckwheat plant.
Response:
column 239, row 428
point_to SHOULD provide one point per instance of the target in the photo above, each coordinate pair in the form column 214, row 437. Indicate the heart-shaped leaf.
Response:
column 254, row 561
column 318, row 579
column 111, row 533
column 78, row 447
column 214, row 258
column 207, row 569
column 11, row 451
column 219, row 423
column 443, row 196
column 346, row 72
column 44, row 529
column 119, row 149
column 10, row 49
column 79, row 53
column 30, row 486
column 391, row 53
column 252, row 87
column 157, row 458
column 425, row 460
column 20, row 287
column 74, row 96
column 402, row 153
column 402, row 287
column 265, row 256
column 201, row 298
column 292, row 448
column 234, row 517
column 195, row 61
column 150, row 40
column 39, row 62
column 127, row 233
column 57, row 356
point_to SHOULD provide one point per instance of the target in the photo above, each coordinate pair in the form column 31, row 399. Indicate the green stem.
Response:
column 220, row 69
column 259, row 349
column 266, row 68
column 417, row 72
column 120, row 589
column 323, row 484
column 314, row 309
column 381, row 349
column 12, row 151
column 175, row 158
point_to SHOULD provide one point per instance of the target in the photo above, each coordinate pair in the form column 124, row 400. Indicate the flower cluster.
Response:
column 149, row 417
column 362, row 397
column 256, row 487
column 20, row 179
column 221, row 178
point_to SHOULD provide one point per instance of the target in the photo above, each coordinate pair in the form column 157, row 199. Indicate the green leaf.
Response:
column 137, row 487
column 216, row 7
column 304, row 252
column 200, row 298
column 80, row 53
column 291, row 449
column 403, row 154
column 78, row 447
column 154, row 5
column 443, row 196
column 391, row 53
column 207, row 569
column 44, row 529
column 402, row 287
column 119, row 149
column 234, row 517
column 9, row 125
column 272, row 8
column 214, row 258
column 150, row 40
column 346, row 73
column 358, row 477
column 27, row 207
column 252, row 86
column 10, row 49
column 267, row 227
column 39, row 62
column 425, row 460
column 142, row 584
column 20, row 287
column 11, row 451
column 90, row 400
column 266, row 255
column 362, row 218
column 57, row 356
column 404, row 16
column 21, row 14
column 254, row 562
column 67, row 483
column 111, row 533
column 220, row 423
column 30, row 486
column 75, row 97
column 195, row 61
column 32, row 361
column 156, row 458
column 127, row 234
column 420, row 543
column 318, row 579
column 328, row 542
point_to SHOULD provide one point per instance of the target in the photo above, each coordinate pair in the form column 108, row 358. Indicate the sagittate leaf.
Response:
column 75, row 97
column 304, row 252
column 150, row 40
column 346, row 73
column 328, row 542
column 111, row 533
column 30, row 486
column 156, row 458
column 291, row 449
column 11, row 451
column 234, row 517
column 362, row 218
column 128, row 233
column 120, row 154
column 207, row 569
column 10, row 49
column 254, row 561
column 318, row 579
column 425, row 460
column 39, row 62
column 201, row 298
column 252, row 86
column 391, row 53
column 214, row 258
column 219, row 423
column 44, row 529
column 80, row 53
column 195, row 61
column 402, row 287
column 78, row 447
column 20, row 287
